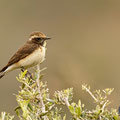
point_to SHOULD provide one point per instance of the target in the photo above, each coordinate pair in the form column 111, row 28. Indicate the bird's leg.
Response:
column 30, row 74
column 22, row 69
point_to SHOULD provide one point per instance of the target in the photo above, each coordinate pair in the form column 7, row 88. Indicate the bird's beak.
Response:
column 47, row 38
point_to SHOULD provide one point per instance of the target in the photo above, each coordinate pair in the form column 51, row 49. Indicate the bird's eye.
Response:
column 37, row 39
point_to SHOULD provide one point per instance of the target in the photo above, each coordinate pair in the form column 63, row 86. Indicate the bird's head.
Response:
column 39, row 38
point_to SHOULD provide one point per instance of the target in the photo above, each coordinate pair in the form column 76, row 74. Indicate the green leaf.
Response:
column 23, row 74
column 79, row 103
column 24, row 106
column 30, row 106
column 64, row 118
column 23, row 85
column 17, row 110
column 71, row 108
column 73, row 104
column 78, row 111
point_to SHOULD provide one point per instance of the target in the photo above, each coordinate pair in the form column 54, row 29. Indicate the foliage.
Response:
column 6, row 116
column 35, row 103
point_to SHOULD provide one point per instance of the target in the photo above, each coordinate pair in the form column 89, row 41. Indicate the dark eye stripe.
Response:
column 37, row 39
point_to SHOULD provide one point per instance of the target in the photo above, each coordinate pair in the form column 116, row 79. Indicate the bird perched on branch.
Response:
column 30, row 54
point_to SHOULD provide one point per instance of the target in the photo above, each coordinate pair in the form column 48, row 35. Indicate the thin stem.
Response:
column 38, row 84
column 41, row 104
column 91, row 94
column 67, row 102
column 3, row 116
column 104, row 105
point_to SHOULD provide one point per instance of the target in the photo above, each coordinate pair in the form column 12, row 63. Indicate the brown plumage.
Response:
column 36, row 41
column 23, row 52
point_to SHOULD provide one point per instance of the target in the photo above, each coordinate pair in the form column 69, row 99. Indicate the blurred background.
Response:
column 85, row 45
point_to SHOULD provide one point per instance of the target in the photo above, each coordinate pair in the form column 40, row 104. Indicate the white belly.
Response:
column 35, row 58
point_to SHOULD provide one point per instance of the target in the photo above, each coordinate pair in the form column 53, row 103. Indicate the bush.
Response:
column 34, row 102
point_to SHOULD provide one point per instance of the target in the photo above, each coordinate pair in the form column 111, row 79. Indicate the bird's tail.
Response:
column 2, row 71
column 2, row 74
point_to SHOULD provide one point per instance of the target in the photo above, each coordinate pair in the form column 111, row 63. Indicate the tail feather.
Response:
column 2, row 71
column 1, row 75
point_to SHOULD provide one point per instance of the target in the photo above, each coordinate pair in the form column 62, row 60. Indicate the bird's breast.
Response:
column 33, row 59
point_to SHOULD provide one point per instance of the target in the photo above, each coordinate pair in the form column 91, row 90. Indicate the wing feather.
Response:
column 22, row 52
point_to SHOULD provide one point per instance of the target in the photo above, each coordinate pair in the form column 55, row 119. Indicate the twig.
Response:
column 104, row 105
column 87, row 90
column 3, row 115
column 42, row 105
column 66, row 102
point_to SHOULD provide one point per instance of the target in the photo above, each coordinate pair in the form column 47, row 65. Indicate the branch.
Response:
column 104, row 105
column 41, row 104
column 66, row 102
column 88, row 90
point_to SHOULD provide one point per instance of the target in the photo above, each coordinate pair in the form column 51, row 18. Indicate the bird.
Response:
column 29, row 55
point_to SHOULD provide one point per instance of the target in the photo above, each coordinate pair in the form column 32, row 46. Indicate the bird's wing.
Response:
column 23, row 52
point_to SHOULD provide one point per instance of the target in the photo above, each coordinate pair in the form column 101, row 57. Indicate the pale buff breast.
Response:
column 33, row 59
